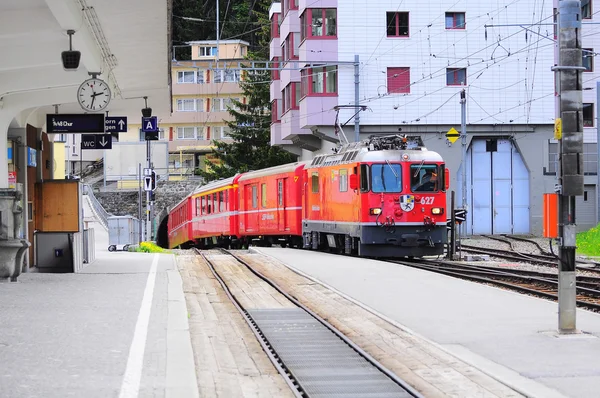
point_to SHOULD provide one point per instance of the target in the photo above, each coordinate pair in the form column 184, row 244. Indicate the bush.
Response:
column 150, row 247
column 588, row 242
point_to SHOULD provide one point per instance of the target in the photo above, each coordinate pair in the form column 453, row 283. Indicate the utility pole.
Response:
column 463, row 137
column 598, row 147
column 570, row 182
column 217, row 55
column 149, row 167
column 140, row 182
column 356, row 98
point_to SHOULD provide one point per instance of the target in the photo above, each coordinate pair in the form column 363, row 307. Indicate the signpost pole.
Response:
column 463, row 136
column 140, row 181
column 148, row 193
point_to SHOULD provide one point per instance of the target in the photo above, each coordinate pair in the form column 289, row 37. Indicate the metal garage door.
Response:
column 585, row 208
column 497, row 188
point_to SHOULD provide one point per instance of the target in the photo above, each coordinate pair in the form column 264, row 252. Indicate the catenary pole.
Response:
column 148, row 227
column 598, row 149
column 463, row 137
column 571, row 155
column 356, row 98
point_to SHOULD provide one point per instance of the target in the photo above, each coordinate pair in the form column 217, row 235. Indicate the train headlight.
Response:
column 437, row 211
column 375, row 211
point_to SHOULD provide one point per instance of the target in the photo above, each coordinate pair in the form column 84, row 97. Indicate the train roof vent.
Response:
column 346, row 156
column 354, row 154
column 314, row 161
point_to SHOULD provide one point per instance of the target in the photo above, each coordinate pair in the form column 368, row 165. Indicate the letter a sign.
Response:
column 149, row 124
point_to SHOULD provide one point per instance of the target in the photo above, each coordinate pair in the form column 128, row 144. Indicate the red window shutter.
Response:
column 398, row 80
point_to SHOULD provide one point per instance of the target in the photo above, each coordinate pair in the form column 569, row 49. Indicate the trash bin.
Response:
column 123, row 231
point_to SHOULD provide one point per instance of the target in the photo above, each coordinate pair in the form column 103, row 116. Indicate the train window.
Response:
column 424, row 177
column 197, row 206
column 343, row 180
column 227, row 200
column 263, row 195
column 204, row 205
column 386, row 177
column 254, row 197
column 364, row 178
column 215, row 203
column 221, row 201
column 280, row 193
column 315, row 182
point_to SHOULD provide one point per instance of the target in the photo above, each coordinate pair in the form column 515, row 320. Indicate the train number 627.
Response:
column 427, row 200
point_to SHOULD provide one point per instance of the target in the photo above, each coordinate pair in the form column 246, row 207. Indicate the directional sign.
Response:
column 96, row 141
column 75, row 123
column 452, row 135
column 149, row 124
column 147, row 183
column 115, row 124
column 460, row 215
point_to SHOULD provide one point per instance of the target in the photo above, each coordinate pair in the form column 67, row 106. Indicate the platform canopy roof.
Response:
column 127, row 41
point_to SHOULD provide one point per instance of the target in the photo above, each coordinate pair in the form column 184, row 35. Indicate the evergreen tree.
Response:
column 251, row 133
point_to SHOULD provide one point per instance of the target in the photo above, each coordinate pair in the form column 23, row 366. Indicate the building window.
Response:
column 220, row 132
column 319, row 22
column 231, row 75
column 185, row 76
column 221, row 104
column 315, row 182
column 200, row 76
column 319, row 81
column 590, row 158
column 292, row 4
column 275, row 26
column 455, row 20
column 398, row 80
column 190, row 133
column 343, row 180
column 397, row 24
column 162, row 135
column 456, row 76
column 275, row 72
column 291, row 97
column 552, row 157
column 588, row 115
column 275, row 117
column 588, row 59
column 186, row 105
column 586, row 9
column 290, row 49
column 207, row 51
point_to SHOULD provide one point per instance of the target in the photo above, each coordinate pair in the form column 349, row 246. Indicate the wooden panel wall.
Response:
column 57, row 206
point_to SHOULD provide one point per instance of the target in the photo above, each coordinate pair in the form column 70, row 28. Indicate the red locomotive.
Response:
column 382, row 197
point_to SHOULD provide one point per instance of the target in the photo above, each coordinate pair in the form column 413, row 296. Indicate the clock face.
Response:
column 93, row 95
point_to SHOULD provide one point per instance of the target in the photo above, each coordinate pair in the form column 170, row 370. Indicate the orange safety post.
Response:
column 550, row 215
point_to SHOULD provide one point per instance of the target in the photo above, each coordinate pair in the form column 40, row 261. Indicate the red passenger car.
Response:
column 270, row 208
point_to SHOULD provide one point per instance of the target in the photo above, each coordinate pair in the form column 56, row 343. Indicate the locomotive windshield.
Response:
column 424, row 177
column 386, row 177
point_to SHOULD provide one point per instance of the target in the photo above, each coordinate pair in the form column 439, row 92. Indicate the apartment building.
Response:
column 201, row 98
column 413, row 63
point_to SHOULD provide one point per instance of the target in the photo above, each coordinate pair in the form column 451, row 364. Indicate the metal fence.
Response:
column 102, row 214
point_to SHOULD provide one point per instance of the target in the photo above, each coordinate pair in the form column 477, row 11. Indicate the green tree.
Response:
column 251, row 129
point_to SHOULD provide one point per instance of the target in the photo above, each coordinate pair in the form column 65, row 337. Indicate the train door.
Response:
column 251, row 214
column 247, row 207
column 281, row 204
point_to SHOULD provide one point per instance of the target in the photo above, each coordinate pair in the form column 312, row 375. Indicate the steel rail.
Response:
column 472, row 273
column 329, row 326
column 281, row 368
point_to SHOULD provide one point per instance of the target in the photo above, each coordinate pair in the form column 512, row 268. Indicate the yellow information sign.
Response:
column 452, row 135
column 558, row 128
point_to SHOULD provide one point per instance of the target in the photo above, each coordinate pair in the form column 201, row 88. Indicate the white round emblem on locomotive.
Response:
column 407, row 202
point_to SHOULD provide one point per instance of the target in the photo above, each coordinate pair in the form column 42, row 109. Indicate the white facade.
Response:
column 508, row 74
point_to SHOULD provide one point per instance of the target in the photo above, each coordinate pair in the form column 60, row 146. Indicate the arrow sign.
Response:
column 460, row 215
column 115, row 124
column 147, row 183
column 96, row 141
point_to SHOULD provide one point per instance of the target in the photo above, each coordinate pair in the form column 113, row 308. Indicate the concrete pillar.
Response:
column 5, row 121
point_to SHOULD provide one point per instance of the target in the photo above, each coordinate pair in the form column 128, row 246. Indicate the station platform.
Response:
column 116, row 329
column 509, row 336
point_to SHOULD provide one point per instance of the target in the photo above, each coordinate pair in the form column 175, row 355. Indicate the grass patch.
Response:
column 150, row 247
column 588, row 242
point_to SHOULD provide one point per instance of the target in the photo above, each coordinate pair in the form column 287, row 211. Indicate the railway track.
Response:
column 313, row 357
column 534, row 283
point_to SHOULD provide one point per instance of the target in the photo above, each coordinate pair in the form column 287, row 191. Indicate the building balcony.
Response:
column 192, row 146
column 303, row 4
column 289, row 75
column 316, row 50
column 275, row 48
column 206, row 89
column 290, row 23
column 291, row 131
column 317, row 111
column 275, row 90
